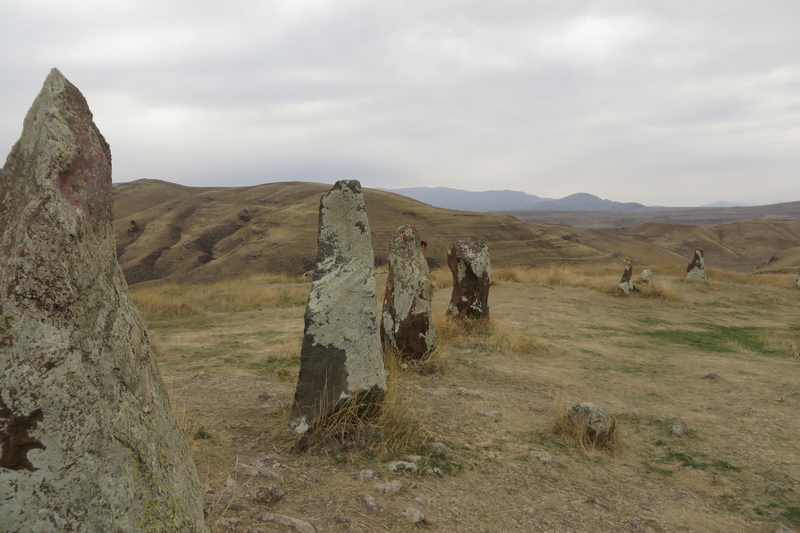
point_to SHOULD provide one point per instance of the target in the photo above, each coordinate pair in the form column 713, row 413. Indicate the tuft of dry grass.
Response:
column 574, row 432
column 391, row 424
column 257, row 292
column 441, row 277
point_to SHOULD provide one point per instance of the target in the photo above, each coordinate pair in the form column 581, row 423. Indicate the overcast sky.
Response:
column 664, row 102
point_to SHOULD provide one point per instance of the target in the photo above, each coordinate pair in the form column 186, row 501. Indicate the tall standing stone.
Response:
column 696, row 270
column 406, row 323
column 89, row 440
column 341, row 358
column 468, row 259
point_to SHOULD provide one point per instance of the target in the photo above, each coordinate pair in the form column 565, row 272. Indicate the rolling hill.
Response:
column 172, row 232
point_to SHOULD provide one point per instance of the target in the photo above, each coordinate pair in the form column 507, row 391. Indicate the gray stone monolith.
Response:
column 341, row 358
column 406, row 322
column 696, row 270
column 89, row 440
column 468, row 259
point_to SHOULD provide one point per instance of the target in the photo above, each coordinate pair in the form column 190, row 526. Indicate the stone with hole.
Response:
column 696, row 270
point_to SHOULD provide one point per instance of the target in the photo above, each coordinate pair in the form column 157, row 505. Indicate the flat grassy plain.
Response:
column 704, row 386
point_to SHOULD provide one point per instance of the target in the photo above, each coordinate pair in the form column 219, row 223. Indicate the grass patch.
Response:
column 715, row 338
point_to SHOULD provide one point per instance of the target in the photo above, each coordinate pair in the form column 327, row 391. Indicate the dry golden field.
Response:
column 703, row 384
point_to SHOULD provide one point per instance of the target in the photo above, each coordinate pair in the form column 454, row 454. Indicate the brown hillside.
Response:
column 202, row 234
column 206, row 234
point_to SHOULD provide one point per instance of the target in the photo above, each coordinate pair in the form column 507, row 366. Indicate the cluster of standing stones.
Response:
column 341, row 359
column 695, row 271
column 89, row 441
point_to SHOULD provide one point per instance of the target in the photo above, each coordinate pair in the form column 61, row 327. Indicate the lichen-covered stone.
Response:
column 468, row 259
column 598, row 425
column 341, row 358
column 696, row 270
column 406, row 323
column 646, row 276
column 89, row 440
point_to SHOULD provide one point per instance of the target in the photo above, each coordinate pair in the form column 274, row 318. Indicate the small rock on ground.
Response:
column 403, row 466
column 283, row 520
column 390, row 487
column 543, row 456
column 413, row 514
column 372, row 503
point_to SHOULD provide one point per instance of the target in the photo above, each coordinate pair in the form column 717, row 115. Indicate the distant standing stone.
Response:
column 341, row 356
column 89, row 440
column 468, row 259
column 625, row 283
column 696, row 271
column 406, row 323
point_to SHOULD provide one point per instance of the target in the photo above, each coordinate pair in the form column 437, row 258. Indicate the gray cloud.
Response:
column 659, row 102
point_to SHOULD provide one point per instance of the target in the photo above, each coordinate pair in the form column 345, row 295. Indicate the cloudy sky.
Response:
column 664, row 102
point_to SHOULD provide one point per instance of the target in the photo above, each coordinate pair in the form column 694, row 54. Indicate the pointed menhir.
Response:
column 89, row 440
column 341, row 359
column 406, row 324
column 468, row 259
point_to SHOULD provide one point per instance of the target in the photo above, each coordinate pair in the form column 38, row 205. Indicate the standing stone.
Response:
column 625, row 283
column 89, row 440
column 468, row 259
column 406, row 323
column 696, row 271
column 341, row 358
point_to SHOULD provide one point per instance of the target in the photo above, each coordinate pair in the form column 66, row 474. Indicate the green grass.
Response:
column 714, row 338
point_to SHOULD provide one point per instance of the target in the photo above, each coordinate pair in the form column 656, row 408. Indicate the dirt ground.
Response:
column 704, row 388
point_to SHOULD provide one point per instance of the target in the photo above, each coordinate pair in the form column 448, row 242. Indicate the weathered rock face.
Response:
column 468, row 259
column 341, row 357
column 406, row 323
column 646, row 276
column 89, row 440
column 696, row 271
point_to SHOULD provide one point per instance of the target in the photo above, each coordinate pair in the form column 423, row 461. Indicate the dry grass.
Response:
column 257, row 292
column 658, row 289
column 752, row 278
column 391, row 425
column 562, row 275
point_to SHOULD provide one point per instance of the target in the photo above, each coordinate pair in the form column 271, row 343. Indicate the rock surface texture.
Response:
column 696, row 271
column 598, row 425
column 406, row 322
column 341, row 357
column 89, row 440
column 468, row 259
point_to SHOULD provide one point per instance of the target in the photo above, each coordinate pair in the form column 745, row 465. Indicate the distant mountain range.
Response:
column 509, row 200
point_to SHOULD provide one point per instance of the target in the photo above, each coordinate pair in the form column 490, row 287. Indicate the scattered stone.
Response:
column 89, row 439
column 711, row 375
column 646, row 276
column 421, row 500
column 340, row 518
column 441, row 448
column 543, row 456
column 491, row 414
column 461, row 391
column 367, row 474
column 696, row 271
column 406, row 323
column 229, row 523
column 434, row 471
column 677, row 429
column 341, row 358
column 413, row 514
column 403, row 466
column 593, row 419
column 268, row 494
column 372, row 503
column 390, row 487
column 468, row 259
column 298, row 525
